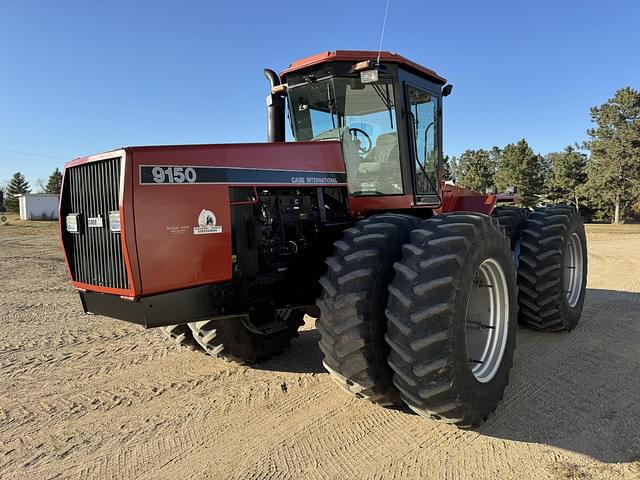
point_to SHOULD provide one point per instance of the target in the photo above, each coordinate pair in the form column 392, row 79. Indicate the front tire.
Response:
column 452, row 318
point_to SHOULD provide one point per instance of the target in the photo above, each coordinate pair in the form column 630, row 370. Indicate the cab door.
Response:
column 423, row 125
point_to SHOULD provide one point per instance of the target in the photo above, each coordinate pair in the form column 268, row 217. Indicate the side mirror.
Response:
column 446, row 90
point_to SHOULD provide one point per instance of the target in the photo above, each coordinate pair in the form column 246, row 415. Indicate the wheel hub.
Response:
column 487, row 320
column 574, row 267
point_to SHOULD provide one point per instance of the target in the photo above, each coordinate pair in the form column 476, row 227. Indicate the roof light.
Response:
column 279, row 89
column 358, row 67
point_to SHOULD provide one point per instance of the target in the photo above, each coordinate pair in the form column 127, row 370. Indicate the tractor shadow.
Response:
column 578, row 391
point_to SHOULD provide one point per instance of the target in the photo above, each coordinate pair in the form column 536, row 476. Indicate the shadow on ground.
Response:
column 303, row 356
column 578, row 391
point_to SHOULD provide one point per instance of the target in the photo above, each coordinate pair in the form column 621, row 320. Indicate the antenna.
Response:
column 384, row 24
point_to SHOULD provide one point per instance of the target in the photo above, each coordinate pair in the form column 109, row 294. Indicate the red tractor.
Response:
column 417, row 285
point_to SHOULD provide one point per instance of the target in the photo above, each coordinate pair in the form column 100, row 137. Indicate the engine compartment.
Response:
column 282, row 235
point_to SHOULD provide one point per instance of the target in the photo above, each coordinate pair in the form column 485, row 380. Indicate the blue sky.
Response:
column 82, row 77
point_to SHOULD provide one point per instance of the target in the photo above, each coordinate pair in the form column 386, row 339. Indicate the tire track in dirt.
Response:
column 82, row 362
column 167, row 439
column 73, row 402
column 300, row 400
column 57, row 340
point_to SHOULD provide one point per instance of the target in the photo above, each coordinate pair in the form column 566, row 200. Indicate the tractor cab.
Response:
column 386, row 115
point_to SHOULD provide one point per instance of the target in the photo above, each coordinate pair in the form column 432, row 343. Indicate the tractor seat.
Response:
column 383, row 163
column 384, row 152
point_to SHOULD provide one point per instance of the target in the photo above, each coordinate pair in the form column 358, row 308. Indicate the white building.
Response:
column 38, row 206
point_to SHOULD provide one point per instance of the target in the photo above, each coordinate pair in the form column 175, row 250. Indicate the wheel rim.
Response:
column 487, row 320
column 574, row 270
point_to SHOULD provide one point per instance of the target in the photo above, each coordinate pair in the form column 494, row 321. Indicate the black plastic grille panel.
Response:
column 95, row 254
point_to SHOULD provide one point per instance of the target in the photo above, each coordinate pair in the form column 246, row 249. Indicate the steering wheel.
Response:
column 354, row 135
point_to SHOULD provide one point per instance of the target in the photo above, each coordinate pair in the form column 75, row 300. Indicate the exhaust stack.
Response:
column 275, row 109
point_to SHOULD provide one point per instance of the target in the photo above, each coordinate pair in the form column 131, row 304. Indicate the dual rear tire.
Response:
column 552, row 275
column 550, row 250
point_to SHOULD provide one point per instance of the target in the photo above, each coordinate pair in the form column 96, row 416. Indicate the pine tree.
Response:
column 495, row 154
column 567, row 173
column 17, row 186
column 447, row 173
column 475, row 170
column 614, row 168
column 519, row 167
column 54, row 184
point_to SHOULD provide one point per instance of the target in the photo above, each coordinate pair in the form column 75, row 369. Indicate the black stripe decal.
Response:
column 169, row 174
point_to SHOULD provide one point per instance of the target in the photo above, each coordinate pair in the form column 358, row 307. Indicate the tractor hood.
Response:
column 140, row 221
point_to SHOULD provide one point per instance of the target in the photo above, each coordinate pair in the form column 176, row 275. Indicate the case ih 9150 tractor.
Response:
column 417, row 285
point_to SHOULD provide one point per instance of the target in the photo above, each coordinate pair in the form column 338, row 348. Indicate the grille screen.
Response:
column 95, row 253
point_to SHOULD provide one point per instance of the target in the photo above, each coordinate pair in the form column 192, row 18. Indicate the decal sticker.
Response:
column 94, row 222
column 172, row 175
column 114, row 221
column 178, row 229
column 206, row 223
column 73, row 225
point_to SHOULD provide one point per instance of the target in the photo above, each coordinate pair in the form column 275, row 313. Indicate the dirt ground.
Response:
column 89, row 397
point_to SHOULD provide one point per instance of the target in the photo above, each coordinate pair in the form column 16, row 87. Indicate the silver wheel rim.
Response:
column 574, row 270
column 487, row 320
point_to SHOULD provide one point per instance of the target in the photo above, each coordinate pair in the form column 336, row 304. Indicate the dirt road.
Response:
column 89, row 397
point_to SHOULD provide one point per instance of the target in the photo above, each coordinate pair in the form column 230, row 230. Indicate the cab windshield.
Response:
column 362, row 117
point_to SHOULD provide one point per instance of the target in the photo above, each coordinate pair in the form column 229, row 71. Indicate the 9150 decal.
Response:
column 168, row 174
column 174, row 175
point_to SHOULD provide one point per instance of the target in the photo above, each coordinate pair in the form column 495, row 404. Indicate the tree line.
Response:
column 601, row 176
column 19, row 185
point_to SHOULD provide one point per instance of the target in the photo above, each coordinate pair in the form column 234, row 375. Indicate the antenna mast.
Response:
column 384, row 24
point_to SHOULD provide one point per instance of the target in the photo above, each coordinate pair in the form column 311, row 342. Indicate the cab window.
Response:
column 423, row 108
column 363, row 117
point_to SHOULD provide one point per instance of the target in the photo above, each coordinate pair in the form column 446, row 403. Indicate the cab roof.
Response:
column 360, row 56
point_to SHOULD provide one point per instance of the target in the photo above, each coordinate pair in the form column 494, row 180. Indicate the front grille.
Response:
column 95, row 254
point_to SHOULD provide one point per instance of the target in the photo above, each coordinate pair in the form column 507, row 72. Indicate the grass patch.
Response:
column 15, row 226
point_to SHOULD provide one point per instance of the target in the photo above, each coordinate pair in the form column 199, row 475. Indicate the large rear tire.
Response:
column 452, row 318
column 352, row 323
column 552, row 275
column 242, row 341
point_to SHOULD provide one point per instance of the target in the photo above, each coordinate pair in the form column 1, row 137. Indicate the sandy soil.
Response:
column 90, row 397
